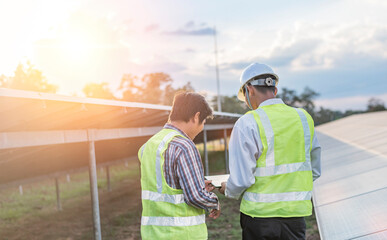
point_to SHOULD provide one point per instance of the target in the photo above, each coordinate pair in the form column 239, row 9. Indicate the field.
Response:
column 33, row 215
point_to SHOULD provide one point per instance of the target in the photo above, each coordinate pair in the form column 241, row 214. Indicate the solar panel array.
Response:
column 42, row 134
column 350, row 197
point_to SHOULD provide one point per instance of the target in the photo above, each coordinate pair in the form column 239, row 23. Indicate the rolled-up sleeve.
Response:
column 243, row 155
column 315, row 158
column 191, row 180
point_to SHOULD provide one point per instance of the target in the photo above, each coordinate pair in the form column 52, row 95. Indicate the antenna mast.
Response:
column 217, row 72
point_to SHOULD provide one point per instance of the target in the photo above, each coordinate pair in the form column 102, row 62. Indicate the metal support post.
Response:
column 225, row 150
column 21, row 189
column 58, row 203
column 205, row 151
column 94, row 186
column 108, row 179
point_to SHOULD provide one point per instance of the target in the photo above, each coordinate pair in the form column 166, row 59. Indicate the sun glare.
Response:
column 77, row 48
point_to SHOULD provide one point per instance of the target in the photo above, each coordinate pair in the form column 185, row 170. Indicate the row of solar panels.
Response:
column 43, row 134
column 350, row 198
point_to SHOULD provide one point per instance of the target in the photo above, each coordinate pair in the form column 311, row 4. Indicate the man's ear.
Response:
column 251, row 89
column 275, row 91
column 196, row 117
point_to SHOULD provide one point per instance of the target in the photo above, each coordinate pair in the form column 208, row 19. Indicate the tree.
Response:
column 230, row 104
column 326, row 115
column 96, row 90
column 27, row 77
column 375, row 104
column 153, row 88
column 148, row 89
column 130, row 88
column 288, row 96
column 304, row 100
column 170, row 92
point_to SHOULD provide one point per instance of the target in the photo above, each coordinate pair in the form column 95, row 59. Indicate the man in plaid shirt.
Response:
column 182, row 170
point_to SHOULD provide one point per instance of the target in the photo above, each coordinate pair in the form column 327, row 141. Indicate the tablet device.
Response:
column 217, row 179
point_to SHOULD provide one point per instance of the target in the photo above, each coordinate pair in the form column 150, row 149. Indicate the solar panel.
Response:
column 350, row 197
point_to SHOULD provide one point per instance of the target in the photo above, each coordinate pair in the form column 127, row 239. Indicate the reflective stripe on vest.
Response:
column 271, row 169
column 160, row 197
column 174, row 221
column 277, row 197
column 158, row 156
column 282, row 169
column 283, row 177
column 307, row 135
column 269, row 136
column 164, row 207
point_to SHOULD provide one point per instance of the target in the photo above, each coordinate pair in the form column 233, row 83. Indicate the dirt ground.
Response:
column 120, row 212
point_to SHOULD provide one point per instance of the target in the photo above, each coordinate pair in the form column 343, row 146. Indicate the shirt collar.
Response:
column 271, row 101
column 170, row 126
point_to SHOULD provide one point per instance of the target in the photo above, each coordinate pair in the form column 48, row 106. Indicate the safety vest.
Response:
column 283, row 175
column 165, row 215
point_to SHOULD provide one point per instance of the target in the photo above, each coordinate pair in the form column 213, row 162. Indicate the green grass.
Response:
column 41, row 196
column 216, row 162
column 227, row 225
column 39, row 202
column 312, row 228
column 123, row 225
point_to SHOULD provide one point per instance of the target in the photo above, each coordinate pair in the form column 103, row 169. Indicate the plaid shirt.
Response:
column 183, row 169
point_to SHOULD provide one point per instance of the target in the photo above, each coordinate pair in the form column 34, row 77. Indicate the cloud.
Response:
column 349, row 103
column 191, row 29
column 151, row 28
column 285, row 54
column 190, row 50
column 321, row 47
column 155, row 63
column 190, row 24
column 336, row 61
column 337, row 47
column 281, row 56
column 196, row 32
column 238, row 65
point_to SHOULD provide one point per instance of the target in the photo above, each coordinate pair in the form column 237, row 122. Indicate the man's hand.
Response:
column 215, row 213
column 209, row 187
column 223, row 188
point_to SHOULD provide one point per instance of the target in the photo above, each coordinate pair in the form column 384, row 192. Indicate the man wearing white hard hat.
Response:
column 274, row 159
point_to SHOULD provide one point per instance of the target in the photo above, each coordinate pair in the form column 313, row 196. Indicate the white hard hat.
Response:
column 253, row 71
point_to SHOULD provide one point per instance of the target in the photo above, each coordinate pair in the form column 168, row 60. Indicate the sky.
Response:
column 337, row 48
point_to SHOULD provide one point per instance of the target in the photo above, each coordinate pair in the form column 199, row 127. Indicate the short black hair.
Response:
column 264, row 89
column 187, row 104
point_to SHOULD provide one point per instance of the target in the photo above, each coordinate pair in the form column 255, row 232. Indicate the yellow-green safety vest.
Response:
column 165, row 215
column 283, row 175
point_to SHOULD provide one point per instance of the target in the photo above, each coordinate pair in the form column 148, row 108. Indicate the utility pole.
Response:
column 217, row 72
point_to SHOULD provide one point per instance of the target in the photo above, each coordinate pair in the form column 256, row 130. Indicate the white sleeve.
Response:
column 315, row 156
column 243, row 155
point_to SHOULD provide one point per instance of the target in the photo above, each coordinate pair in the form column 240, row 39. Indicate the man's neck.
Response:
column 261, row 99
column 183, row 126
